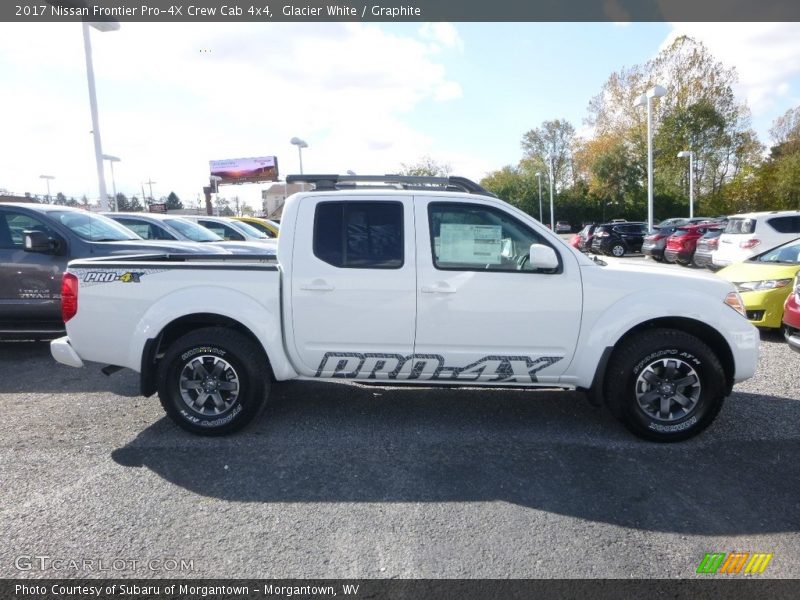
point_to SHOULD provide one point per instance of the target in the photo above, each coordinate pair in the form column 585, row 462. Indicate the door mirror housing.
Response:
column 38, row 241
column 543, row 257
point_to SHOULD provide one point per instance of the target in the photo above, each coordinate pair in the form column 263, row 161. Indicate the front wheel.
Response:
column 213, row 381
column 665, row 385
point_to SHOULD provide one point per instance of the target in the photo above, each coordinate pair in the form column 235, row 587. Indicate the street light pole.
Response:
column 690, row 154
column 112, row 160
column 552, row 177
column 98, row 146
column 539, row 178
column 300, row 145
column 647, row 99
column 47, row 178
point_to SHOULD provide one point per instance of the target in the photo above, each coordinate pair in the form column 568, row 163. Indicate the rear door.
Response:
column 353, row 286
column 482, row 313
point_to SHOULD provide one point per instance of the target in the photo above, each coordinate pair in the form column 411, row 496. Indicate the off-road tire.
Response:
column 231, row 398
column 639, row 379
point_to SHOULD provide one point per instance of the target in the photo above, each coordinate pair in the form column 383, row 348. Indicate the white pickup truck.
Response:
column 399, row 280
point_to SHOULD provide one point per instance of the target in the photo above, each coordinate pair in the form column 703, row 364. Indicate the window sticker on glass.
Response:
column 470, row 243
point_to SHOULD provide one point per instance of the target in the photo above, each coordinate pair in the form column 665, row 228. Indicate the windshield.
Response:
column 788, row 254
column 248, row 230
column 93, row 228
column 193, row 231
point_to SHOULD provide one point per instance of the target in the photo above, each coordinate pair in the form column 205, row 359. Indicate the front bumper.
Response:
column 765, row 308
column 64, row 353
column 791, row 322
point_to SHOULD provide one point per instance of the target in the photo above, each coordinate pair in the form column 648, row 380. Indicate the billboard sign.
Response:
column 245, row 170
column 157, row 207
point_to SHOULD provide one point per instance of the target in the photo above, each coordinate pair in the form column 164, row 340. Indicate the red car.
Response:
column 682, row 244
column 791, row 317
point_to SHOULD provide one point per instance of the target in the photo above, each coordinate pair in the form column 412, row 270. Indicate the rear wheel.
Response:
column 617, row 250
column 213, row 381
column 665, row 385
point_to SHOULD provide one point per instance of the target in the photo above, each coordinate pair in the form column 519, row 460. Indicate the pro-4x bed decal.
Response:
column 380, row 366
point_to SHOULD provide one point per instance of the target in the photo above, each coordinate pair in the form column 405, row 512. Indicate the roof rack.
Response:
column 325, row 183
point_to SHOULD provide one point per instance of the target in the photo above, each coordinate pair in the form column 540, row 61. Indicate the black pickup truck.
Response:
column 36, row 243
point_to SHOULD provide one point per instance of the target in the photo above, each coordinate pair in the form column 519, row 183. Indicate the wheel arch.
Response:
column 155, row 347
column 710, row 336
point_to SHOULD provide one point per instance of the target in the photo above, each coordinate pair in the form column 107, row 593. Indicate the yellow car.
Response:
column 271, row 228
column 765, row 281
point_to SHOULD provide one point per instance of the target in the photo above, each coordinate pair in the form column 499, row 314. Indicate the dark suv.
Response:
column 616, row 239
column 36, row 243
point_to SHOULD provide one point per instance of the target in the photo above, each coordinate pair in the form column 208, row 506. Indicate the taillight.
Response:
column 713, row 243
column 69, row 296
column 749, row 243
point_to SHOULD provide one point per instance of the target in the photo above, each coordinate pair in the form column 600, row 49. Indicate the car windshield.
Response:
column 193, row 231
column 712, row 233
column 788, row 254
column 680, row 233
column 93, row 228
column 741, row 226
column 248, row 230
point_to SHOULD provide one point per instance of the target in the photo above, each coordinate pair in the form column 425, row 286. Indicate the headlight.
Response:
column 734, row 300
column 767, row 284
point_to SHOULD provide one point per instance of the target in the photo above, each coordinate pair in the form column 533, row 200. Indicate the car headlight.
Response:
column 767, row 284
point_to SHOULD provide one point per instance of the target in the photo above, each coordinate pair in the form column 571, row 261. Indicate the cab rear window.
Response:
column 359, row 235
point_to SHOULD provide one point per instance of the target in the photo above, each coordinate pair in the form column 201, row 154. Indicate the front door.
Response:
column 352, row 282
column 483, row 313
column 30, row 282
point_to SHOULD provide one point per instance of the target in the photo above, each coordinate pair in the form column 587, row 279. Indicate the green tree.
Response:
column 173, row 202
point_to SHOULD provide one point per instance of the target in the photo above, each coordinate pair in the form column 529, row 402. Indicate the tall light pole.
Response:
column 98, row 146
column 112, row 160
column 646, row 99
column 47, row 178
column 296, row 141
column 539, row 178
column 690, row 154
column 552, row 177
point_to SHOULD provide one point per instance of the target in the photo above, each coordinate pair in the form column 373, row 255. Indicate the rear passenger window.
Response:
column 789, row 224
column 359, row 235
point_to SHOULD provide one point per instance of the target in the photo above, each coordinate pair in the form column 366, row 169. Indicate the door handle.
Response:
column 318, row 285
column 437, row 289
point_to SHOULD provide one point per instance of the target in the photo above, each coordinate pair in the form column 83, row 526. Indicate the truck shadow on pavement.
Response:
column 550, row 452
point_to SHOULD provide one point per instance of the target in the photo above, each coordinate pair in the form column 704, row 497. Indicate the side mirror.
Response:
column 37, row 241
column 543, row 257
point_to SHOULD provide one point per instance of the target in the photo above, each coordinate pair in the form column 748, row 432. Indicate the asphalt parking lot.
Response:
column 339, row 480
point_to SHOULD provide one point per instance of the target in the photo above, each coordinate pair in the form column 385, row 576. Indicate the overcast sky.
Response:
column 366, row 97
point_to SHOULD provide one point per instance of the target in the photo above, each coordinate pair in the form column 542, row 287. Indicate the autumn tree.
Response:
column 552, row 139
column 425, row 167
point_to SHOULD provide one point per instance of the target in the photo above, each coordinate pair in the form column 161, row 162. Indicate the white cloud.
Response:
column 442, row 34
column 765, row 56
column 172, row 98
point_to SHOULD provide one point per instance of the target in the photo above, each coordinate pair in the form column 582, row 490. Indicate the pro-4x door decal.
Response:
column 381, row 366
